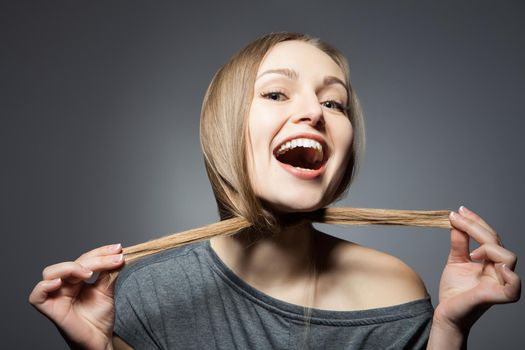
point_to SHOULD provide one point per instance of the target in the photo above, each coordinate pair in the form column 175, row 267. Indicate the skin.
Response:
column 285, row 105
column 472, row 283
column 350, row 277
column 83, row 313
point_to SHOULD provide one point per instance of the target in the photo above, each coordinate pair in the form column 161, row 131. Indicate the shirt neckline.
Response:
column 322, row 316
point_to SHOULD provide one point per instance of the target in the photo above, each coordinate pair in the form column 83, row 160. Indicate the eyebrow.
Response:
column 293, row 75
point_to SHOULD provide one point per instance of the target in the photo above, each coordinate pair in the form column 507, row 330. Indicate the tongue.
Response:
column 300, row 157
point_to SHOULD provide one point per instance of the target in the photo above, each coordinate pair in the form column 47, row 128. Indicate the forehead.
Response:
column 302, row 57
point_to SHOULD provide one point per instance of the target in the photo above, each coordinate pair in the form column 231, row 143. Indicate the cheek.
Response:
column 263, row 123
column 258, row 142
column 343, row 133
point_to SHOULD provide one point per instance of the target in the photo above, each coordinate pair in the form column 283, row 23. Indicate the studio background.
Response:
column 100, row 104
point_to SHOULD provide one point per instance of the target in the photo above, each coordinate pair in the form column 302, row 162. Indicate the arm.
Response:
column 446, row 337
column 471, row 283
column 119, row 344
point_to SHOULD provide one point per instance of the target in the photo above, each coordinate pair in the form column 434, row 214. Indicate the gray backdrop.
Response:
column 100, row 104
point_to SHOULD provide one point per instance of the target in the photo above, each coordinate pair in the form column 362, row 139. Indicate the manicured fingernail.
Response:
column 116, row 247
column 464, row 209
column 118, row 258
column 453, row 215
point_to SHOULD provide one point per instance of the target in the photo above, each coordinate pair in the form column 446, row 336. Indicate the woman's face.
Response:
column 299, row 136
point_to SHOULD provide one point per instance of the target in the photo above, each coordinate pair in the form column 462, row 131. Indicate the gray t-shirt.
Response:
column 187, row 298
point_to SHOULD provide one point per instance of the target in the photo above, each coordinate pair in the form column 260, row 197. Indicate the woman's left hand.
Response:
column 470, row 284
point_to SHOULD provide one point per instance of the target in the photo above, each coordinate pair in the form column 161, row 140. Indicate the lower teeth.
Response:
column 303, row 169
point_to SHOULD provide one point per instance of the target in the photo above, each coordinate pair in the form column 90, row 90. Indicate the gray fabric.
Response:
column 187, row 298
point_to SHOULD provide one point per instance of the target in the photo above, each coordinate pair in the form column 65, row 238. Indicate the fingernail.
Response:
column 463, row 209
column 118, row 258
column 116, row 247
column 505, row 267
column 453, row 215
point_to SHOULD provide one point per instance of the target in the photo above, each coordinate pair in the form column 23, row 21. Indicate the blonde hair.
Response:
column 223, row 136
column 223, row 130
column 337, row 216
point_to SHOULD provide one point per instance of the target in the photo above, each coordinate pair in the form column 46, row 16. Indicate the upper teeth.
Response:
column 301, row 142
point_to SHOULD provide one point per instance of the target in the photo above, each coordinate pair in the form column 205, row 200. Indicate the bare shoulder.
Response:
column 378, row 279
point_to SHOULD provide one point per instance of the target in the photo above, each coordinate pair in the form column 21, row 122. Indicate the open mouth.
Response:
column 304, row 154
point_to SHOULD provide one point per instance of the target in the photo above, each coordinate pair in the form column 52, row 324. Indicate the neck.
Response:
column 268, row 261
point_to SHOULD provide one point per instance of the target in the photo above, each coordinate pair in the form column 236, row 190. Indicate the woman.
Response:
column 282, row 133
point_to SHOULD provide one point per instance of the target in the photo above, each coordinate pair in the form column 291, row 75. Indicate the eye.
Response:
column 335, row 105
column 274, row 95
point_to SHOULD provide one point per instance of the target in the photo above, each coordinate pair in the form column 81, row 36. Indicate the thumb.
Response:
column 459, row 247
column 105, row 283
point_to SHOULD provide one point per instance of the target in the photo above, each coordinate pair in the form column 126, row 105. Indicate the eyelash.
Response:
column 338, row 105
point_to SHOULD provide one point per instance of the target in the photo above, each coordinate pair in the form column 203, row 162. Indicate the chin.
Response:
column 297, row 204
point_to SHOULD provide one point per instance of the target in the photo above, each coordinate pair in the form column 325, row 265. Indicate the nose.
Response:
column 311, row 112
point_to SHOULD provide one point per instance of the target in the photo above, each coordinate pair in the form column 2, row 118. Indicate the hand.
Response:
column 84, row 313
column 470, row 284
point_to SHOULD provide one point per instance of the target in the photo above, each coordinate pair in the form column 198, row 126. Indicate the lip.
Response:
column 306, row 175
column 302, row 174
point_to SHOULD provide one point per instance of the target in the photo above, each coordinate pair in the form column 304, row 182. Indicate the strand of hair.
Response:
column 337, row 216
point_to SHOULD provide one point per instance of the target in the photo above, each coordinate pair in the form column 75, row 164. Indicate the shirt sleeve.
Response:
column 131, row 315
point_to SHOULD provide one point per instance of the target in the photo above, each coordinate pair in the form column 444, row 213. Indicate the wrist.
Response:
column 449, row 326
column 444, row 335
column 103, row 346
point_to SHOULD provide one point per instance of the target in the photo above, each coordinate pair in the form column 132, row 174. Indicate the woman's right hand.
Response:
column 84, row 313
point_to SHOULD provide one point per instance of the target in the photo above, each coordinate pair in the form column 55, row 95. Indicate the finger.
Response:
column 473, row 216
column 512, row 287
column 42, row 290
column 101, row 251
column 509, row 292
column 479, row 233
column 490, row 268
column 495, row 253
column 66, row 270
column 459, row 247
column 102, row 263
column 105, row 284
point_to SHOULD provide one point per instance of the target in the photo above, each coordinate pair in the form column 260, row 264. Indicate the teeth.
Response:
column 302, row 142
column 303, row 169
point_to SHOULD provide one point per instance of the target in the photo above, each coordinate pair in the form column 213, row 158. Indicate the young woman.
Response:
column 282, row 135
